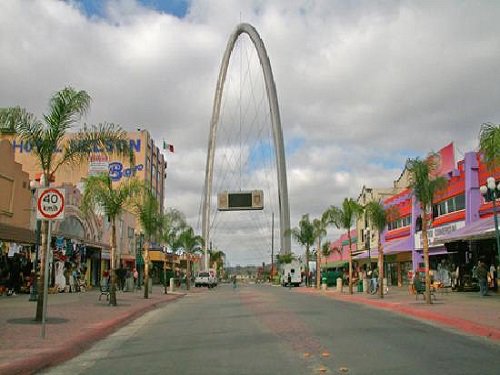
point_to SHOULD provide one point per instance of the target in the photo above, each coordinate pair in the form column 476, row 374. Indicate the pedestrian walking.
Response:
column 482, row 276
column 136, row 278
column 493, row 276
column 289, row 279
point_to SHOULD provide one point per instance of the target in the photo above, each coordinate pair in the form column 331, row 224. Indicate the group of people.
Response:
column 122, row 276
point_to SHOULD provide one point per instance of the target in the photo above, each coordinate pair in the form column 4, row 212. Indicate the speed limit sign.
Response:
column 50, row 204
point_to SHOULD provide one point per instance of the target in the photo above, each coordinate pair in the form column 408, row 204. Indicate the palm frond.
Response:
column 105, row 137
column 489, row 144
column 422, row 182
column 377, row 215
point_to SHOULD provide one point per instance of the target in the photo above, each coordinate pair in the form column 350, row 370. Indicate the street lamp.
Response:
column 491, row 192
column 34, row 291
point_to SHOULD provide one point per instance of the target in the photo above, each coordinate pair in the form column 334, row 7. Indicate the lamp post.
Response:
column 34, row 290
column 491, row 192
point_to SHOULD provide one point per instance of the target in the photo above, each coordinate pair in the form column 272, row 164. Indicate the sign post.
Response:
column 50, row 206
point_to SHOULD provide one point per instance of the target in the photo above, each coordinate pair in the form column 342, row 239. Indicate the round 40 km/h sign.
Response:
column 50, row 204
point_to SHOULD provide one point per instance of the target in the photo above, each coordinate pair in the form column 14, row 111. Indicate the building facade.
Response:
column 86, row 238
column 461, row 229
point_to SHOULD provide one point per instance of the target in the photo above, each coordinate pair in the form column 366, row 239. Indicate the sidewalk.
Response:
column 464, row 312
column 75, row 321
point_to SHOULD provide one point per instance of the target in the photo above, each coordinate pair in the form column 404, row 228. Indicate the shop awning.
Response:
column 398, row 246
column 372, row 253
column 480, row 229
column 156, row 256
column 337, row 263
column 436, row 250
column 16, row 234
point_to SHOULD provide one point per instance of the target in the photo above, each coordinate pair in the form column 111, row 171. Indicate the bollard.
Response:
column 171, row 289
column 339, row 284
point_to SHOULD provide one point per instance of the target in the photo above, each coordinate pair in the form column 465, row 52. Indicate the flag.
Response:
column 445, row 160
column 168, row 147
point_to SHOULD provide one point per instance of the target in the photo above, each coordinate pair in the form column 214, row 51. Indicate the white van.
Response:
column 295, row 271
column 204, row 279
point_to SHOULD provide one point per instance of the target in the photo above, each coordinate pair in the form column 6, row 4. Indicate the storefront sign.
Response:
column 434, row 234
column 116, row 170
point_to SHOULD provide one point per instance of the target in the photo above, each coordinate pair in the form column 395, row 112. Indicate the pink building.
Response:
column 340, row 250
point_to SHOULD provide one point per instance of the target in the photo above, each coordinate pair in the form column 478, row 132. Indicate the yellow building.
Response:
column 90, row 235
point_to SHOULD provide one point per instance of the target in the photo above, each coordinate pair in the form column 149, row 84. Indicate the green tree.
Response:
column 53, row 149
column 304, row 236
column 424, row 187
column 147, row 209
column 344, row 218
column 172, row 223
column 101, row 194
column 489, row 144
column 284, row 258
column 326, row 249
column 378, row 218
column 191, row 244
column 319, row 226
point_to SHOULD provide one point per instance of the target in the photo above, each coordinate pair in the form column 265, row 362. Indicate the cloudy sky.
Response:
column 362, row 85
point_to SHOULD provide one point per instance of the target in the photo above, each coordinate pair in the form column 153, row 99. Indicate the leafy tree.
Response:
column 191, row 244
column 424, row 187
column 172, row 223
column 304, row 235
column 489, row 144
column 285, row 258
column 344, row 218
column 377, row 215
column 48, row 137
column 99, row 192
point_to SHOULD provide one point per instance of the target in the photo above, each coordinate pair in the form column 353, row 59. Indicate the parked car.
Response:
column 204, row 278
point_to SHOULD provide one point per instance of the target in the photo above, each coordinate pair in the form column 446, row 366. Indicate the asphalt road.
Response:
column 272, row 330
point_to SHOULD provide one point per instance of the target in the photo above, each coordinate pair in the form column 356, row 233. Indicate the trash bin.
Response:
column 360, row 286
column 339, row 284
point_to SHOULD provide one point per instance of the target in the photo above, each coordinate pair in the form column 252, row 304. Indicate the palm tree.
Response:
column 100, row 192
column 489, row 144
column 53, row 149
column 344, row 218
column 424, row 187
column 147, row 210
column 378, row 217
column 217, row 257
column 191, row 244
column 304, row 235
column 319, row 226
column 172, row 222
column 326, row 249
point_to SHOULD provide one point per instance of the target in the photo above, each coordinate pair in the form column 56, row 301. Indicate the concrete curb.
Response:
column 459, row 324
column 79, row 342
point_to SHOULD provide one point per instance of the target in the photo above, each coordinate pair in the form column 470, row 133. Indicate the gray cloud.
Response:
column 364, row 84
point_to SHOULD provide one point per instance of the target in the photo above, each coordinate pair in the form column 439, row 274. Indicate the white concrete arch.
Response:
column 272, row 97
